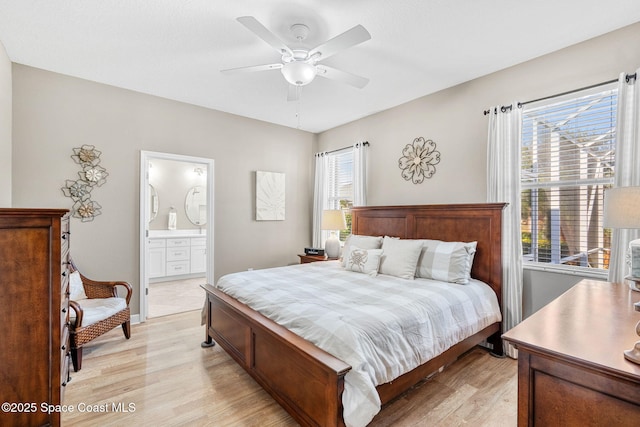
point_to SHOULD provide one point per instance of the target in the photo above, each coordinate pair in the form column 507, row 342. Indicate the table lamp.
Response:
column 622, row 210
column 333, row 219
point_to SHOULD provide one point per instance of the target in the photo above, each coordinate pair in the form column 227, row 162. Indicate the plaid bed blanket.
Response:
column 382, row 326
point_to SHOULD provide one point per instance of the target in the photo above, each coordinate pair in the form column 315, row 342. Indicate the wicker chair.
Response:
column 103, row 310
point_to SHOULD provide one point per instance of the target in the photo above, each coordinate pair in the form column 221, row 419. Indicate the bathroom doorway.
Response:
column 176, row 238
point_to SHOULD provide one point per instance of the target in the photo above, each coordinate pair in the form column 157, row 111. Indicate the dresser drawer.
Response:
column 198, row 241
column 157, row 243
column 175, row 268
column 64, row 348
column 64, row 375
column 64, row 237
column 64, row 312
column 64, row 283
column 174, row 243
column 178, row 254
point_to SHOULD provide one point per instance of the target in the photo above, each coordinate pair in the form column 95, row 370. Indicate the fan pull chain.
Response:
column 298, row 106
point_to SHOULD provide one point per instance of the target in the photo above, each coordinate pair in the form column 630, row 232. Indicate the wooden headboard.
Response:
column 481, row 222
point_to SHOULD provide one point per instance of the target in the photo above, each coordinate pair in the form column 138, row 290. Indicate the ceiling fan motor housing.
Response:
column 299, row 31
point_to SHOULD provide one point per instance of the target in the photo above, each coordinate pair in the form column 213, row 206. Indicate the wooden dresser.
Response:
column 571, row 366
column 34, row 349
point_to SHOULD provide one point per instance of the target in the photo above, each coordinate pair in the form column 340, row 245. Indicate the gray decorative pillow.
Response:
column 363, row 260
column 362, row 242
column 446, row 261
column 400, row 257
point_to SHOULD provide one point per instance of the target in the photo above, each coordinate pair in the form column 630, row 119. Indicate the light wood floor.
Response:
column 171, row 381
column 175, row 296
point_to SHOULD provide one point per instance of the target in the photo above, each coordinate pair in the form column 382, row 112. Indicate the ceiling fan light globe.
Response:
column 299, row 73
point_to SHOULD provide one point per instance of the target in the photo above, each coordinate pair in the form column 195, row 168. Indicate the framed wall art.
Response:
column 270, row 196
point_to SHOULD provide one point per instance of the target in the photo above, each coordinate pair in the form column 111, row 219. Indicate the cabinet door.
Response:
column 157, row 262
column 198, row 259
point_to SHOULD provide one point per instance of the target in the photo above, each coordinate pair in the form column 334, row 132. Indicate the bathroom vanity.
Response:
column 176, row 253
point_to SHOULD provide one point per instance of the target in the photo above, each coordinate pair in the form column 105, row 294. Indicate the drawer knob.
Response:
column 64, row 310
column 63, row 348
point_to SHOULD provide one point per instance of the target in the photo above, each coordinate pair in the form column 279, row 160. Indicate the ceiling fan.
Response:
column 300, row 66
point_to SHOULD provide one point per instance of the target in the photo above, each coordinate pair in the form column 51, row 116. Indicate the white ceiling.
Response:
column 176, row 48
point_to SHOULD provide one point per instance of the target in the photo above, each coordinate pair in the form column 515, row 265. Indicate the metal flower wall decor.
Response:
column 418, row 160
column 92, row 175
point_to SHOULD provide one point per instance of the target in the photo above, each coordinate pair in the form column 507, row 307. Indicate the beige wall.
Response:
column 454, row 119
column 55, row 113
column 5, row 128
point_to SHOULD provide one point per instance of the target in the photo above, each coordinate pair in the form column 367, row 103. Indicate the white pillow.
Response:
column 362, row 242
column 76, row 288
column 400, row 257
column 446, row 261
column 364, row 261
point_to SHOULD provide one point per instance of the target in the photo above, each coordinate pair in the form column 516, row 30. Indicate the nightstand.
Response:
column 304, row 259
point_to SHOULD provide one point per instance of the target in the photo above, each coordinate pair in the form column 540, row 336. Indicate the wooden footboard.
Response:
column 305, row 380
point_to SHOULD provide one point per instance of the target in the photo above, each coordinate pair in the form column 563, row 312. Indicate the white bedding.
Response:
column 382, row 326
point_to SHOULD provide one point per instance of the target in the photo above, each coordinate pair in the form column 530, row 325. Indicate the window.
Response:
column 340, row 185
column 568, row 160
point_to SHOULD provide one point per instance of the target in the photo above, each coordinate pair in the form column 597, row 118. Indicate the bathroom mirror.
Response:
column 195, row 205
column 153, row 203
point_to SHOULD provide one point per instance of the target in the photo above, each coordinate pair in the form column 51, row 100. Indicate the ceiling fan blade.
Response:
column 342, row 76
column 252, row 68
column 352, row 37
column 261, row 31
column 293, row 93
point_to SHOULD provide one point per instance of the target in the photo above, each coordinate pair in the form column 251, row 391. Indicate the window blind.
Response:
column 567, row 161
column 340, row 184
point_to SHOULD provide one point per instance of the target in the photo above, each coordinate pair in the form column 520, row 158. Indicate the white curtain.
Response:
column 627, row 171
column 360, row 151
column 503, row 185
column 319, row 196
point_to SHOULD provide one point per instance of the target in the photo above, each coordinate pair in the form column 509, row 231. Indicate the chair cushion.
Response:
column 97, row 309
column 76, row 287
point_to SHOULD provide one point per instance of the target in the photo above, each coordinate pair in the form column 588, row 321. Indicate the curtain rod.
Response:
column 628, row 78
column 343, row 148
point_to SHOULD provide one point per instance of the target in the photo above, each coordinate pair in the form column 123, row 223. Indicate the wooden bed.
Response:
column 307, row 381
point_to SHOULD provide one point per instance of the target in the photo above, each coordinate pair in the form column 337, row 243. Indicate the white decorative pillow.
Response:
column 446, row 261
column 400, row 257
column 364, row 261
column 76, row 288
column 362, row 242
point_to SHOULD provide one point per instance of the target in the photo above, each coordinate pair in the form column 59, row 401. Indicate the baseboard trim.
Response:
column 135, row 319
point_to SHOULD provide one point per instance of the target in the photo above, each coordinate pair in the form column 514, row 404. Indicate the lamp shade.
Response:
column 299, row 73
column 622, row 207
column 333, row 219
